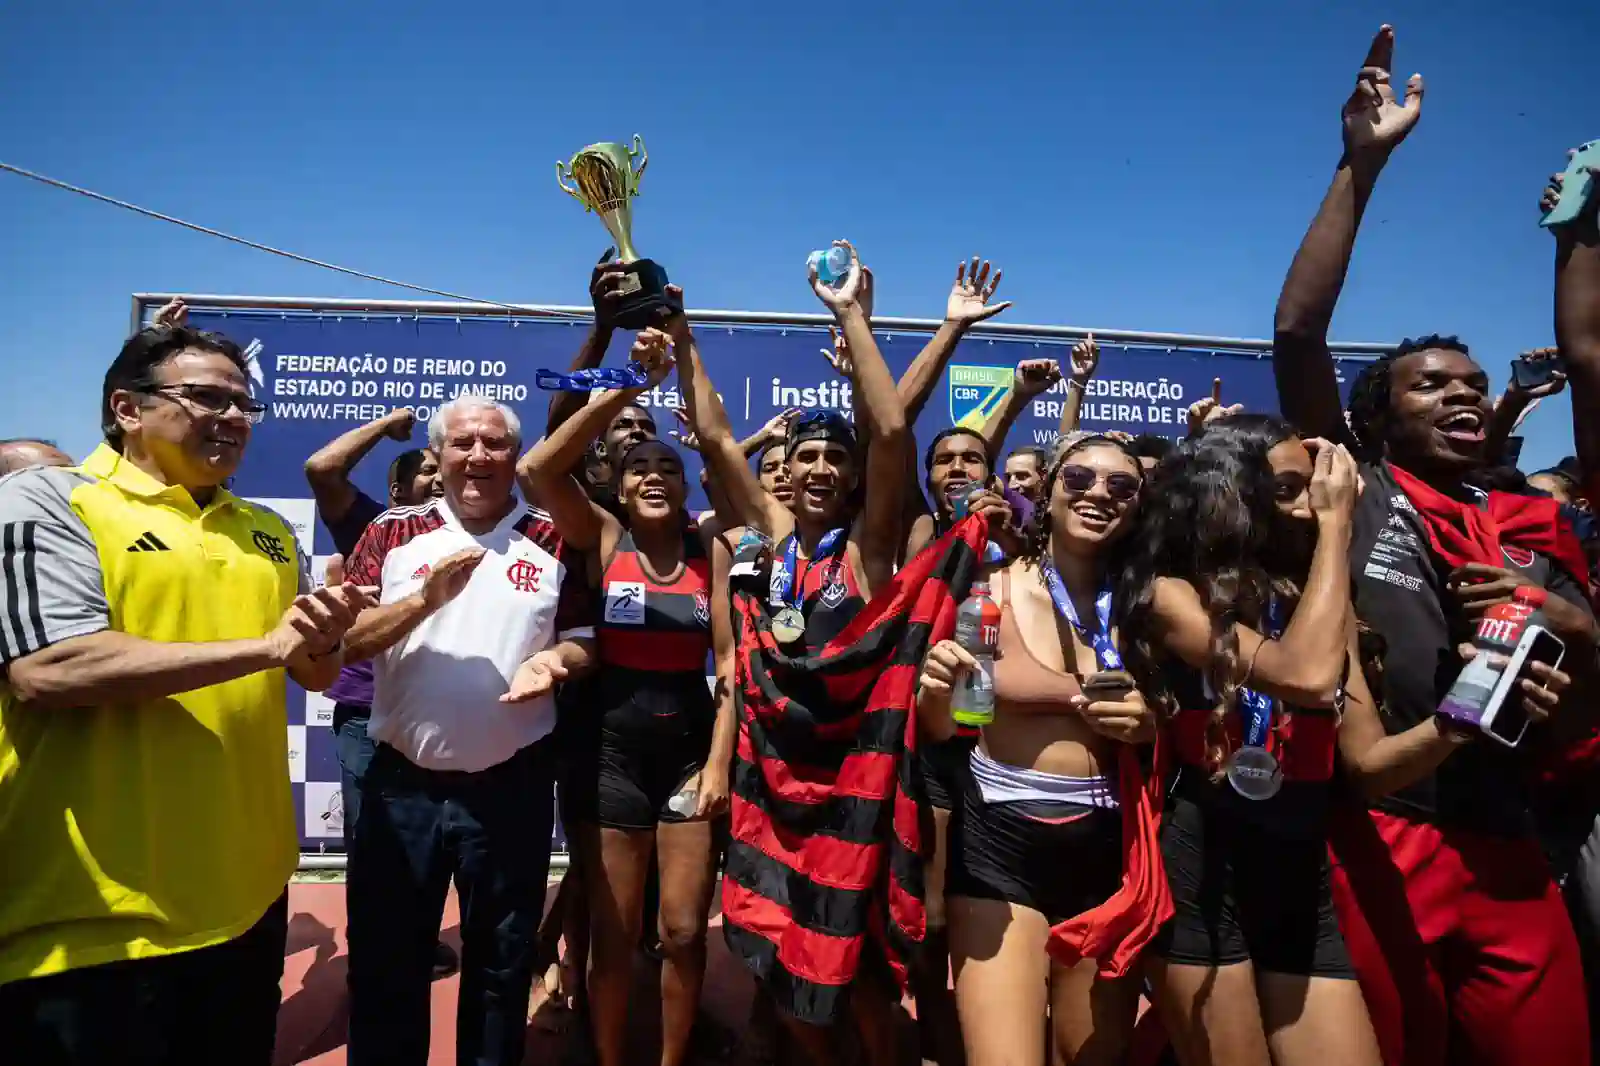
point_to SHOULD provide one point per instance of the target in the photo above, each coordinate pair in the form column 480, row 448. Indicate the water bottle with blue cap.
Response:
column 832, row 266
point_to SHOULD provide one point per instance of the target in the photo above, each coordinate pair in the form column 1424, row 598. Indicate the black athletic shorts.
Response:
column 944, row 768
column 1059, row 859
column 1242, row 892
column 654, row 734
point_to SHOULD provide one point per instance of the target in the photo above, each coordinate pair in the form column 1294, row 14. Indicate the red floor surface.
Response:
column 311, row 1023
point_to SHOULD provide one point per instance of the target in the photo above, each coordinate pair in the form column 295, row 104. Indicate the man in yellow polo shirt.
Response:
column 147, row 618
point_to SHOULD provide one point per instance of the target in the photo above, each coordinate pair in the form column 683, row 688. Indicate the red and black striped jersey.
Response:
column 646, row 624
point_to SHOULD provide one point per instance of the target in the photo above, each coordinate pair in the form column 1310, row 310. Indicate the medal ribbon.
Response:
column 784, row 591
column 1105, row 651
column 1257, row 706
column 632, row 376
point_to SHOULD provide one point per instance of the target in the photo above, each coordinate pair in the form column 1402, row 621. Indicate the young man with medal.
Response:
column 803, row 571
column 1471, row 941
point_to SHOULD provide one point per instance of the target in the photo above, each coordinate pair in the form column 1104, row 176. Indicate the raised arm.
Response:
column 1085, row 361
column 603, row 294
column 1516, row 403
column 328, row 470
column 1578, row 321
column 1374, row 123
column 877, row 534
column 1303, row 666
column 1033, row 378
column 748, row 503
column 967, row 305
column 548, row 473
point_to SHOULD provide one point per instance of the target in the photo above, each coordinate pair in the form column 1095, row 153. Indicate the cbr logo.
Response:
column 976, row 392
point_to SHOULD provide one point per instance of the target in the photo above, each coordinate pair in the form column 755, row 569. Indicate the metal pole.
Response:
column 581, row 315
column 336, row 860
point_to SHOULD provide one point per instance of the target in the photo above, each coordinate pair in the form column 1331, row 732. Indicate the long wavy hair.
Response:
column 1214, row 524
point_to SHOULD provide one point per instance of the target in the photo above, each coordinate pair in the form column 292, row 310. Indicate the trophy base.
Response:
column 644, row 301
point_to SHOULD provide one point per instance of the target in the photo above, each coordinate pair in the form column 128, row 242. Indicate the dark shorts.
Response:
column 634, row 747
column 636, row 780
column 1059, row 859
column 944, row 769
column 1242, row 893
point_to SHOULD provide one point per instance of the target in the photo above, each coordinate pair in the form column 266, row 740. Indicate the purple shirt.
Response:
column 355, row 684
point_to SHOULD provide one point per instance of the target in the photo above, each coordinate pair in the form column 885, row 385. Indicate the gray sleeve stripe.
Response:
column 19, row 547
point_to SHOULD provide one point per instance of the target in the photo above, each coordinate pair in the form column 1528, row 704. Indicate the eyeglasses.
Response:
column 212, row 400
column 1120, row 486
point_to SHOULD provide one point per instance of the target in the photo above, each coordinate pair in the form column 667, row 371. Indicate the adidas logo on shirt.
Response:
column 148, row 543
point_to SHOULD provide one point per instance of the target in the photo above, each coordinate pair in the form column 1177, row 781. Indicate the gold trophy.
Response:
column 606, row 182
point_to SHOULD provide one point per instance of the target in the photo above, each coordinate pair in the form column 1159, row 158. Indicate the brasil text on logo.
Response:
column 976, row 393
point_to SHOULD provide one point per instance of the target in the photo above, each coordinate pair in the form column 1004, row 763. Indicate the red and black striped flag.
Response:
column 824, row 872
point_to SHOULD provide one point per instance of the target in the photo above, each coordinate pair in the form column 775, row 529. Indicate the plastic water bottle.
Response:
column 1499, row 632
column 684, row 800
column 978, row 632
column 832, row 265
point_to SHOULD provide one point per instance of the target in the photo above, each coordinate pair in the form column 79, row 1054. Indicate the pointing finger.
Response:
column 1381, row 53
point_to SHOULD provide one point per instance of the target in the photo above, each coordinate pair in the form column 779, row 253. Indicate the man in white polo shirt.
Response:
column 483, row 611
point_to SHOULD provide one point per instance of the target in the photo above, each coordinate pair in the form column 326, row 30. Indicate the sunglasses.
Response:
column 1120, row 486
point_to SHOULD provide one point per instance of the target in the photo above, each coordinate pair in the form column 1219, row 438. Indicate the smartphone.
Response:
column 1530, row 374
column 1485, row 695
column 1577, row 185
column 1107, row 687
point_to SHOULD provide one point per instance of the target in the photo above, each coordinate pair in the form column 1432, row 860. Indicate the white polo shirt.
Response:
column 437, row 699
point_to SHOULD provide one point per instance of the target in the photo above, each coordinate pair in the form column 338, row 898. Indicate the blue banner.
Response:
column 321, row 374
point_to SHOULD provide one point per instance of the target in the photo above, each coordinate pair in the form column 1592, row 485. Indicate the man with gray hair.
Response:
column 20, row 453
column 483, row 610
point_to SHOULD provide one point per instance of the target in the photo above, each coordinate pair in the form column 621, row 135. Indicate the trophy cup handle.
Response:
column 562, row 174
column 644, row 159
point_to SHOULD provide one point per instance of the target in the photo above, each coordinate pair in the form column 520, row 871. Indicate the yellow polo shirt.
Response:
column 145, row 827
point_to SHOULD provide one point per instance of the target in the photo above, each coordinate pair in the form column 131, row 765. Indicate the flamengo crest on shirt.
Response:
column 523, row 575
column 268, row 545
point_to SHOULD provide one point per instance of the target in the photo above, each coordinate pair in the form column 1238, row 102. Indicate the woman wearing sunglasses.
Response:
column 1037, row 839
column 1236, row 615
column 665, row 742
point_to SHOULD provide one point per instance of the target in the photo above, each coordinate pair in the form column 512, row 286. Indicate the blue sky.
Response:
column 1135, row 165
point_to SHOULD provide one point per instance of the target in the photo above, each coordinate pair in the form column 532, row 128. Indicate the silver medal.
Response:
column 1255, row 774
column 788, row 626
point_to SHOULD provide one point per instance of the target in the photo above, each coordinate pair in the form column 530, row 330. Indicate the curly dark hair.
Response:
column 1370, row 393
column 1215, row 525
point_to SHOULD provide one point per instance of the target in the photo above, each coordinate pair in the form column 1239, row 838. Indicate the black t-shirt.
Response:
column 1400, row 593
column 347, row 529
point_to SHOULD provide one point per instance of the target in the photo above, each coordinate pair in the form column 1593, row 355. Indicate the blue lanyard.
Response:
column 1257, row 706
column 1105, row 651
column 786, row 580
column 608, row 377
